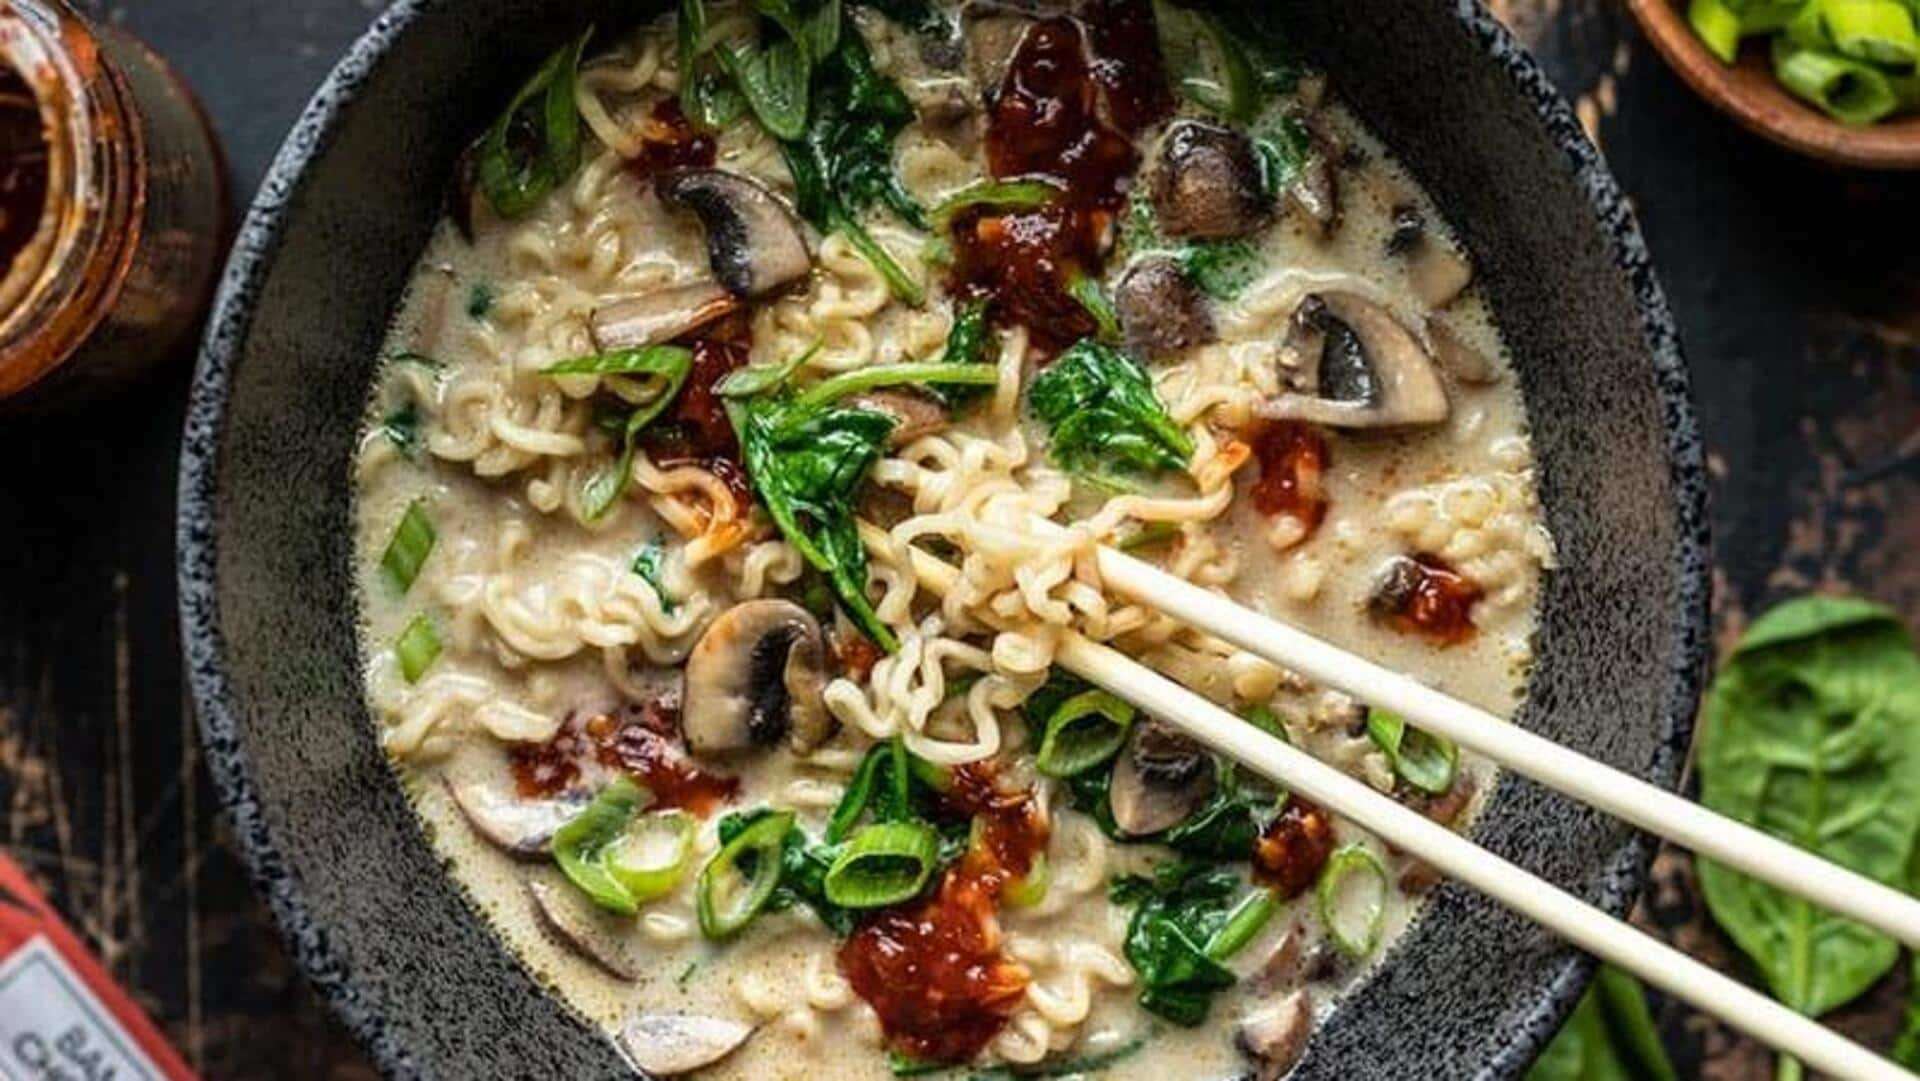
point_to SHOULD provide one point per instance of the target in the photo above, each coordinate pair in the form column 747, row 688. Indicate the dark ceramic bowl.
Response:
column 265, row 533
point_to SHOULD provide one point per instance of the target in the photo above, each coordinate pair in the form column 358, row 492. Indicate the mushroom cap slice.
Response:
column 1364, row 369
column 659, row 316
column 668, row 1044
column 754, row 241
column 589, row 932
column 1315, row 192
column 1161, row 779
column 1437, row 273
column 1160, row 309
column 496, row 812
column 1275, row 1034
column 755, row 678
column 1207, row 184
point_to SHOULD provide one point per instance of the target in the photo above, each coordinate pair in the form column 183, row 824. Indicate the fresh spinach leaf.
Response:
column 843, row 163
column 774, row 80
column 1812, row 733
column 1105, row 418
column 807, row 465
column 535, row 144
column 668, row 367
column 967, row 343
column 402, row 429
column 707, row 97
column 1609, row 1037
column 1906, row 1050
column 1222, row 269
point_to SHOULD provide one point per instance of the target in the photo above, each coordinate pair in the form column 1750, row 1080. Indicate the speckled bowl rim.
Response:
column 228, row 328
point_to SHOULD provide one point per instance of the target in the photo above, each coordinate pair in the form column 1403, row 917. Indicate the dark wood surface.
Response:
column 1798, row 291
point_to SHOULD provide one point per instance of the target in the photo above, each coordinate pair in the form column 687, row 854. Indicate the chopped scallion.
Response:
column 1243, row 924
column 1085, row 731
column 417, row 648
column 884, row 864
column 580, row 846
column 1718, row 27
column 1359, row 937
column 1426, row 762
column 1850, row 91
column 409, row 548
column 739, row 880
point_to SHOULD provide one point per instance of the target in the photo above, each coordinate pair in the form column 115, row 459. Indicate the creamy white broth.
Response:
column 543, row 619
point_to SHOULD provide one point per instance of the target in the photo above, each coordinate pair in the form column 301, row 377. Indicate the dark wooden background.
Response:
column 1798, row 290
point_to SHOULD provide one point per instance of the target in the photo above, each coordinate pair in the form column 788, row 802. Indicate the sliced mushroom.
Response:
column 1457, row 358
column 914, row 415
column 1438, row 274
column 755, row 678
column 1274, row 1035
column 595, row 935
column 754, row 241
column 1315, row 192
column 668, row 1044
column 520, row 826
column 1162, row 778
column 1362, row 368
column 1207, row 184
column 1283, row 966
column 660, row 316
column 1161, row 311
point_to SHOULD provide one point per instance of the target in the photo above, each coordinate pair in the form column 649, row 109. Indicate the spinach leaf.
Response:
column 1609, row 1037
column 967, row 343
column 402, row 429
column 707, row 96
column 1180, row 909
column 665, row 365
column 1222, row 269
column 647, row 566
column 1224, row 828
column 1906, row 1051
column 1812, row 733
column 774, row 80
column 842, row 164
column 1105, row 418
column 807, row 465
column 535, row 144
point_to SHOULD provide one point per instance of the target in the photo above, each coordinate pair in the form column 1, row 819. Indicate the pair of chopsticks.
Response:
column 1653, row 809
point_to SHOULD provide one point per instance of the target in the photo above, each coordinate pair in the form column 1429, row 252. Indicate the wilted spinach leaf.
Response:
column 1609, row 1037
column 1180, row 908
column 1105, row 418
column 535, row 144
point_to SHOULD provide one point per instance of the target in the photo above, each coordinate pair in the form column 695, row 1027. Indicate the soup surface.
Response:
column 734, row 475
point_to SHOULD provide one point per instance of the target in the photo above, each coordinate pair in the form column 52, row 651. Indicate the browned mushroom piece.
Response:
column 1436, row 271
column 670, row 1044
column 914, row 416
column 755, row 678
column 1360, row 368
column 754, row 241
column 659, row 316
column 518, row 826
column 1161, row 311
column 1161, row 779
column 1315, row 193
column 1207, row 183
column 590, row 932
column 1457, row 358
column 1274, row 1035
column 1285, row 965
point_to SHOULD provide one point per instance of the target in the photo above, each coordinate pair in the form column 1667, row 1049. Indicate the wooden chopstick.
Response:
column 1594, row 783
column 1546, row 904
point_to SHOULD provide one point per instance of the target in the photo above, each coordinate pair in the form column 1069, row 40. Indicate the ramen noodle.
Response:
column 737, row 320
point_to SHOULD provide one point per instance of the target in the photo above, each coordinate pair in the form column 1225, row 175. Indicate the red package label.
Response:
column 62, row 1018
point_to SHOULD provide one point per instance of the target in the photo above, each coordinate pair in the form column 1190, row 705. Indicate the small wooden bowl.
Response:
column 1750, row 94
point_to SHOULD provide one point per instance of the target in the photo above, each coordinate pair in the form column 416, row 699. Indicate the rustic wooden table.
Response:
column 1798, row 291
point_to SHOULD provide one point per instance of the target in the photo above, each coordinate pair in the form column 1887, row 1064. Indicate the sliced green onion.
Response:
column 761, row 378
column 1207, row 65
column 858, row 794
column 1083, row 732
column 536, row 142
column 653, row 855
column 774, row 80
column 1766, row 16
column 417, row 648
column 1151, row 535
column 1248, row 918
column 1266, row 720
column 739, row 880
column 402, row 429
column 937, row 373
column 1031, row 888
column 1093, row 297
column 580, row 847
column 884, row 864
column 1008, row 194
column 1355, row 942
column 648, row 565
column 1847, row 90
column 1426, row 762
column 409, row 548
column 1877, row 31
column 669, row 366
column 1717, row 26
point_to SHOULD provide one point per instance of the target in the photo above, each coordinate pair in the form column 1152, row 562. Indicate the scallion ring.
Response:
column 417, row 648
column 652, row 856
column 1847, row 90
column 1336, row 908
column 1031, row 888
column 1876, row 31
column 739, row 880
column 1083, row 732
column 884, row 864
column 853, row 802
column 407, row 551
column 1427, row 762
column 580, row 847
column 1718, row 27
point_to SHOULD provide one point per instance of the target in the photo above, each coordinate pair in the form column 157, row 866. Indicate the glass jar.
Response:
column 113, row 207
